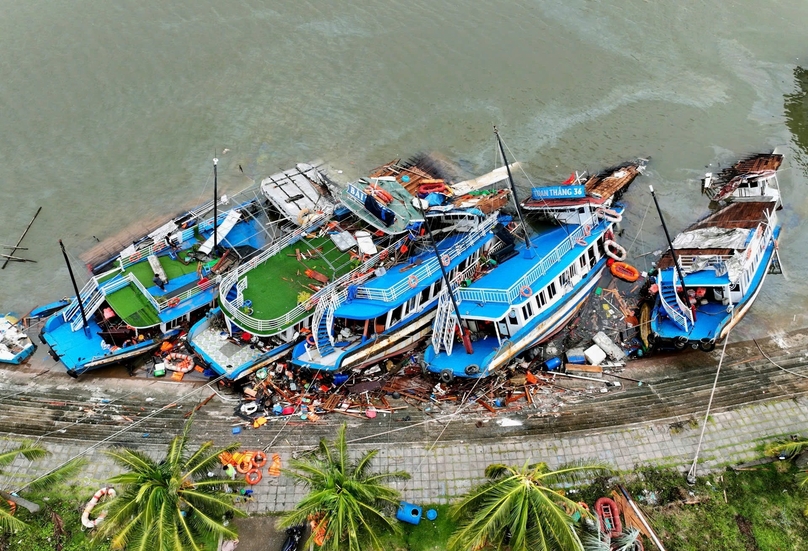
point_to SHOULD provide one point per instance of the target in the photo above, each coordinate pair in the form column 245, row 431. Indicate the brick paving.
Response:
column 446, row 470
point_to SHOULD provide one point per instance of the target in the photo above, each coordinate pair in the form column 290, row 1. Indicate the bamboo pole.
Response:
column 14, row 249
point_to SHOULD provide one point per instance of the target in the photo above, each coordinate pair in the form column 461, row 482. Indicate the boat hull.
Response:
column 397, row 340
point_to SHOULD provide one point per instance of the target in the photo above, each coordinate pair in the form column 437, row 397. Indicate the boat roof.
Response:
column 746, row 215
column 510, row 272
column 602, row 187
column 759, row 162
column 353, row 196
column 362, row 308
column 297, row 191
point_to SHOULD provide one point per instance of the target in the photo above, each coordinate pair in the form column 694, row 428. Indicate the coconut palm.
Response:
column 9, row 502
column 175, row 504
column 521, row 508
column 790, row 449
column 346, row 500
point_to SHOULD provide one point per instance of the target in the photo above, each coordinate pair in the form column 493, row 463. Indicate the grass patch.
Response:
column 763, row 510
column 67, row 503
column 427, row 535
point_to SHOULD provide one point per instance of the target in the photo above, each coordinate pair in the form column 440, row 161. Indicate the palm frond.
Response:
column 9, row 523
column 26, row 449
column 57, row 476
column 787, row 448
column 131, row 459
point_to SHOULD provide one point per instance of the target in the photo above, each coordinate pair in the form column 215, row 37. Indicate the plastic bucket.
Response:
column 553, row 363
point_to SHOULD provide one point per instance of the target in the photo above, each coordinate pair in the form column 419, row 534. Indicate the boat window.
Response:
column 424, row 295
column 591, row 255
column 551, row 290
column 582, row 261
column 395, row 315
column 572, row 270
column 527, row 311
column 541, row 299
column 512, row 319
column 581, row 210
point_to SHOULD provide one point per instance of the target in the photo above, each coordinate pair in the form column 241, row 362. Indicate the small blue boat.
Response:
column 163, row 284
column 710, row 277
column 15, row 346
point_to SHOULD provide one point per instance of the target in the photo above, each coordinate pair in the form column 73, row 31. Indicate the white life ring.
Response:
column 610, row 215
column 613, row 250
column 85, row 516
column 182, row 363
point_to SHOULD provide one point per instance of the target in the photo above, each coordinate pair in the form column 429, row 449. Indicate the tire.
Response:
column 706, row 345
column 446, row 376
column 680, row 343
column 472, row 369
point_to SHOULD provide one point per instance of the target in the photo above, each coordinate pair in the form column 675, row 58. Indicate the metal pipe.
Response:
column 668, row 237
column 215, row 204
column 513, row 188
column 76, row 289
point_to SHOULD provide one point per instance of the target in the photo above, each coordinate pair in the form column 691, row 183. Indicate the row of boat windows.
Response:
column 519, row 316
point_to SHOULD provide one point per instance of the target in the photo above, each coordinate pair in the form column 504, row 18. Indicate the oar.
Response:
column 14, row 249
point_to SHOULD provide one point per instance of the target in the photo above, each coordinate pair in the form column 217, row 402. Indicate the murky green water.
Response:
column 111, row 111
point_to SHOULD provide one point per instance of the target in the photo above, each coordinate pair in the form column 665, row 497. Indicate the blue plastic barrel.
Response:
column 340, row 378
column 409, row 513
column 553, row 363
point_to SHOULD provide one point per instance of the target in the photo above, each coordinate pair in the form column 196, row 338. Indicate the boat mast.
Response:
column 464, row 332
column 215, row 203
column 76, row 289
column 528, row 251
column 668, row 237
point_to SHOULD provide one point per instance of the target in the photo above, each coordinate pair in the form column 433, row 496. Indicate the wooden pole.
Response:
column 13, row 249
column 15, row 258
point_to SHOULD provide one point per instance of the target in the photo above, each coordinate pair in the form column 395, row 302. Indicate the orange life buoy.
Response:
column 584, row 506
column 253, row 476
column 581, row 242
column 310, row 340
column 245, row 463
column 526, row 291
column 587, row 230
column 134, row 258
column 172, row 302
column 625, row 271
column 259, row 459
column 445, row 260
column 412, row 281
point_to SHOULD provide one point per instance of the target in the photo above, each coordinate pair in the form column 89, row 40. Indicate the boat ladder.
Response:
column 443, row 328
column 679, row 313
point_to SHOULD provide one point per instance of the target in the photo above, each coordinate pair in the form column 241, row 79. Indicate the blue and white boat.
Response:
column 15, row 346
column 166, row 281
column 388, row 311
column 751, row 179
column 529, row 293
column 520, row 301
column 710, row 276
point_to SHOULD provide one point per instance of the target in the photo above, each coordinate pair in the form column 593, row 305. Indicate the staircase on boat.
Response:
column 678, row 312
column 322, row 323
column 443, row 328
column 221, row 231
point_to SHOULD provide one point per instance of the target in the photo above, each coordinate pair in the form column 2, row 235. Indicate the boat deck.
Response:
column 611, row 182
column 274, row 286
column 708, row 319
column 227, row 355
column 754, row 163
column 512, row 270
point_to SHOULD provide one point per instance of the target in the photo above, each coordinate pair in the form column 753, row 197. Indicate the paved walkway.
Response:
column 445, row 471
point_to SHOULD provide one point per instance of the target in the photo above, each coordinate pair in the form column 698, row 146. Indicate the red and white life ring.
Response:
column 445, row 260
column 613, row 250
column 85, row 516
column 412, row 281
column 182, row 363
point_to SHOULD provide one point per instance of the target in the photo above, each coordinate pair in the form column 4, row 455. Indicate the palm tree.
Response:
column 790, row 449
column 169, row 505
column 8, row 502
column 345, row 500
column 519, row 508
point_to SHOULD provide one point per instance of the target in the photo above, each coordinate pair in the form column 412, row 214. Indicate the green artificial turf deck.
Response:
column 133, row 308
column 273, row 286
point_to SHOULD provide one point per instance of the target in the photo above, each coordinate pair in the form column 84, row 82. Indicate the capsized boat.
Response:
column 15, row 346
column 751, row 179
column 166, row 281
column 709, row 279
column 572, row 201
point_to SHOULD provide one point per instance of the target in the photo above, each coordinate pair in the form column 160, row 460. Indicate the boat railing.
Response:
column 510, row 295
column 687, row 261
column 85, row 294
column 163, row 303
column 681, row 315
column 428, row 267
column 188, row 233
column 445, row 318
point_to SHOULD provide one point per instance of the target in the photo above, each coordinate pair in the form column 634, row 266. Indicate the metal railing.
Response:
column 509, row 296
column 430, row 266
column 683, row 316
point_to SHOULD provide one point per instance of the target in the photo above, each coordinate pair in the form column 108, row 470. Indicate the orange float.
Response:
column 624, row 271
